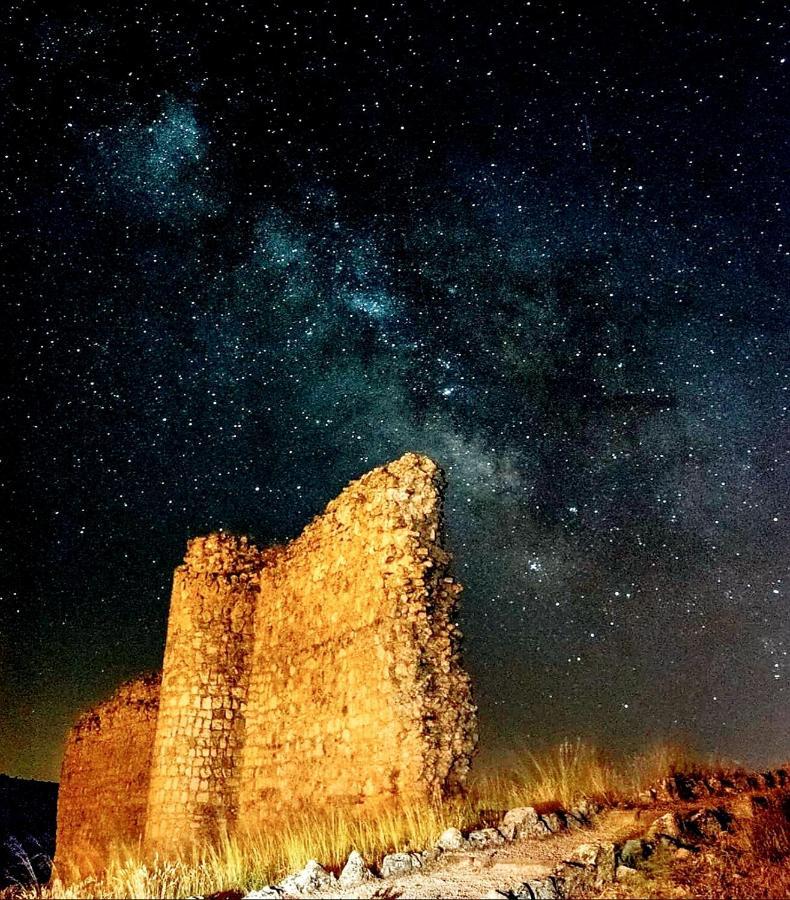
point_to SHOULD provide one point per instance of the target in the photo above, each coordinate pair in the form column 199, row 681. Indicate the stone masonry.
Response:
column 322, row 672
column 104, row 783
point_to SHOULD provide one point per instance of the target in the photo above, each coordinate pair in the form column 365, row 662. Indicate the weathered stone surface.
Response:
column 522, row 822
column 625, row 873
column 270, row 892
column 585, row 855
column 105, row 777
column 194, row 776
column 590, row 865
column 355, row 641
column 541, row 889
column 451, row 839
column 310, row 880
column 485, row 837
column 633, row 852
column 707, row 823
column 326, row 671
column 666, row 825
column 553, row 822
column 355, row 871
column 399, row 864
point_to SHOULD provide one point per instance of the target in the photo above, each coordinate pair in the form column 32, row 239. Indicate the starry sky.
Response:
column 253, row 250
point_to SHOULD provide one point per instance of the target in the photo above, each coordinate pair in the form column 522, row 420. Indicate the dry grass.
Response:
column 754, row 861
column 574, row 769
column 567, row 773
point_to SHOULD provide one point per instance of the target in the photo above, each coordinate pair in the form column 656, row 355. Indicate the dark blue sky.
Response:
column 253, row 253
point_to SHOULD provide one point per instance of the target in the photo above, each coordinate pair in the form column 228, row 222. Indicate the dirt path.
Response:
column 473, row 874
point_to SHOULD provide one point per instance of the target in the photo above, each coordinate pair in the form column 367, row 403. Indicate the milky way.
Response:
column 255, row 252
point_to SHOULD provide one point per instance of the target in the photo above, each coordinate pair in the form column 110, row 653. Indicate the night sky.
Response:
column 253, row 250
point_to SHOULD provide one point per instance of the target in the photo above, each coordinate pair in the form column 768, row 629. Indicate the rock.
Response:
column 707, row 824
column 598, row 857
column 270, row 892
column 522, row 822
column 399, row 864
column 552, row 822
column 666, row 825
column 585, row 855
column 486, row 837
column 355, row 871
column 607, row 861
column 313, row 877
column 576, row 879
column 496, row 895
column 451, row 839
column 588, row 808
column 624, row 873
column 582, row 814
column 540, row 889
column 634, row 852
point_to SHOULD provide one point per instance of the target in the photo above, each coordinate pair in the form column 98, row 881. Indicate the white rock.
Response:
column 585, row 855
column 552, row 822
column 624, row 873
column 399, row 864
column 667, row 825
column 270, row 892
column 539, row 889
column 486, row 837
column 313, row 877
column 599, row 856
column 451, row 839
column 523, row 821
column 355, row 871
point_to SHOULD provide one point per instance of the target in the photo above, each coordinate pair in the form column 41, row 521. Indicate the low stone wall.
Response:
column 105, row 776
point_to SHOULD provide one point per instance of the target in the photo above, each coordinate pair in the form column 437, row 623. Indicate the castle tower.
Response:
column 200, row 730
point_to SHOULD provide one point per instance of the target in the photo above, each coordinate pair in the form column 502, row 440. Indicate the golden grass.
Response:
column 561, row 776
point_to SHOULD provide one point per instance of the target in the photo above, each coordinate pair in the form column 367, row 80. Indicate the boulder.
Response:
column 581, row 814
column 399, row 864
column 553, row 822
column 707, row 823
column 270, row 892
column 486, row 837
column 598, row 858
column 624, row 873
column 451, row 839
column 541, row 889
column 522, row 822
column 585, row 855
column 666, row 826
column 634, row 852
column 314, row 877
column 355, row 871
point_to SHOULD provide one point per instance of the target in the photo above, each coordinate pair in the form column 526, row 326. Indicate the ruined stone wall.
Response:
column 356, row 691
column 322, row 672
column 105, row 775
column 200, row 731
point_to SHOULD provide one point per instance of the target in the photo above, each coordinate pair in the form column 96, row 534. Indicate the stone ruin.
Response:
column 322, row 672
